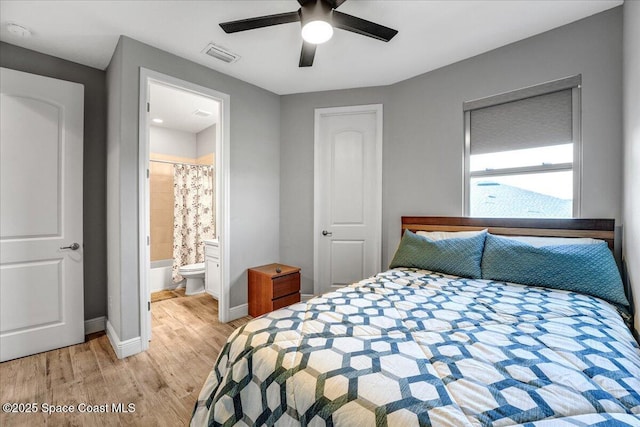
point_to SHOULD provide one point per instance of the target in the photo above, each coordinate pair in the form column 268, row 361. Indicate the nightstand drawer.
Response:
column 272, row 286
column 286, row 285
column 286, row 301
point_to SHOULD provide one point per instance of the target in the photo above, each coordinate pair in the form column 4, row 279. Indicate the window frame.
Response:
column 575, row 84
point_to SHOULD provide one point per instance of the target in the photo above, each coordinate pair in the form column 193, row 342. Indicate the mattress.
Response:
column 412, row 347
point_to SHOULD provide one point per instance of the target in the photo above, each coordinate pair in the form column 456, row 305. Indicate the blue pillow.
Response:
column 587, row 269
column 457, row 256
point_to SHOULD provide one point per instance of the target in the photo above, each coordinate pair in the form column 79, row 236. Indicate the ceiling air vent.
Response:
column 220, row 53
column 202, row 113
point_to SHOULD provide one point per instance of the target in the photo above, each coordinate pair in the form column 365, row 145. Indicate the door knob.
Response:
column 73, row 247
column 327, row 233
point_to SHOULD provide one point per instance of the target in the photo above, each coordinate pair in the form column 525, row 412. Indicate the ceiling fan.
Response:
column 318, row 19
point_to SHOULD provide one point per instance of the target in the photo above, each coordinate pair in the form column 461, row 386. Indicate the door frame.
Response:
column 317, row 226
column 222, row 167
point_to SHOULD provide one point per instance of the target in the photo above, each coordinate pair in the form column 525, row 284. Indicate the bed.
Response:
column 413, row 346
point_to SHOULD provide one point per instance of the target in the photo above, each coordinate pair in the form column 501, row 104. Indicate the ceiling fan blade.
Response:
column 307, row 54
column 362, row 26
column 260, row 22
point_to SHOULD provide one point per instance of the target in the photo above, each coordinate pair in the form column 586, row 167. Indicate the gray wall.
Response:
column 114, row 95
column 94, row 164
column 172, row 142
column 206, row 141
column 272, row 148
column 423, row 130
column 632, row 147
column 296, row 170
column 254, row 181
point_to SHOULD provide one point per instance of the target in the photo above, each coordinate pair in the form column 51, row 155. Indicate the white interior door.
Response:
column 41, row 283
column 348, row 195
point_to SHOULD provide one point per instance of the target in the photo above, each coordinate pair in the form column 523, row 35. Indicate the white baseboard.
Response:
column 97, row 324
column 123, row 348
column 306, row 297
column 238, row 311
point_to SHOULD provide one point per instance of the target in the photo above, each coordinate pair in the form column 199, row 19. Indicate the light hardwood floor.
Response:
column 163, row 383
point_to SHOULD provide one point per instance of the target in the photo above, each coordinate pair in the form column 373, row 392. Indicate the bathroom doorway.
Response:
column 183, row 203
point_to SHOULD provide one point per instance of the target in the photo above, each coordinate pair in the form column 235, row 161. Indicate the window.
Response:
column 522, row 152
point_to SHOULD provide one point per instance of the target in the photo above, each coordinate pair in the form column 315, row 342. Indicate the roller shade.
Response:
column 537, row 121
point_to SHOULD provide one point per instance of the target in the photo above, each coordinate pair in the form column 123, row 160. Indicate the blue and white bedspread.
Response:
column 410, row 347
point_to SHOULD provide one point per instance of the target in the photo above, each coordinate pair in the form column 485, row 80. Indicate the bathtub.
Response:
column 160, row 277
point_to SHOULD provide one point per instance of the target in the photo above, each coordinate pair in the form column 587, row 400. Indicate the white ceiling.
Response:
column 431, row 34
column 176, row 109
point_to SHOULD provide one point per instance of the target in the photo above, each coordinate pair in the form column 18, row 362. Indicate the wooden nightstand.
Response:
column 269, row 290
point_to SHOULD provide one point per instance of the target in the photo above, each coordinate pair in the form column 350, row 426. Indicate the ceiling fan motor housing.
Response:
column 319, row 10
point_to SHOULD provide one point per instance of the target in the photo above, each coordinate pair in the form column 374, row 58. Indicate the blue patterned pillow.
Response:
column 587, row 269
column 457, row 256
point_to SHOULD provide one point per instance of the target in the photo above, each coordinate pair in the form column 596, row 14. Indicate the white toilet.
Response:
column 194, row 274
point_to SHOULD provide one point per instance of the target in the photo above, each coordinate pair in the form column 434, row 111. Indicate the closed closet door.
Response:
column 348, row 195
column 41, row 253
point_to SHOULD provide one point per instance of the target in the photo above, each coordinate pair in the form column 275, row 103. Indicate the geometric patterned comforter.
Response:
column 411, row 347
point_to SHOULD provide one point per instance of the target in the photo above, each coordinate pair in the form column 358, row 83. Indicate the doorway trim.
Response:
column 317, row 226
column 222, row 168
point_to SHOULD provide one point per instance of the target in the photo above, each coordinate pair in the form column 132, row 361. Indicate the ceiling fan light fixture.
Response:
column 317, row 18
column 317, row 32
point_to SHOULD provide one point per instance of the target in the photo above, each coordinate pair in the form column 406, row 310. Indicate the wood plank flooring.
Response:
column 163, row 295
column 163, row 383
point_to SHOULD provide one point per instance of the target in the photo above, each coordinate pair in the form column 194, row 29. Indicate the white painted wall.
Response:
column 631, row 70
column 206, row 141
column 172, row 142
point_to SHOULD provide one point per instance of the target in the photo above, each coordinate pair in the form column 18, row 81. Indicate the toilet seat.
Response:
column 192, row 268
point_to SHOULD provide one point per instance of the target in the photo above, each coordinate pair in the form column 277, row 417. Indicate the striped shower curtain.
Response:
column 193, row 214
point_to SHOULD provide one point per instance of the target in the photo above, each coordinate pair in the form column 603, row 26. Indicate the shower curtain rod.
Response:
column 178, row 163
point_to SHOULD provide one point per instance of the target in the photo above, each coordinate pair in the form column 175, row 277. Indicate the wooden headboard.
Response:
column 603, row 229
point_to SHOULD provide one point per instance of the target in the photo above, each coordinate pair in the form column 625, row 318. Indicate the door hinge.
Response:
column 147, row 173
column 148, row 241
column 148, row 107
column 148, row 305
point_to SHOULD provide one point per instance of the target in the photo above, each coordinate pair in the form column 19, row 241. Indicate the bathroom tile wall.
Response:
column 161, row 201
